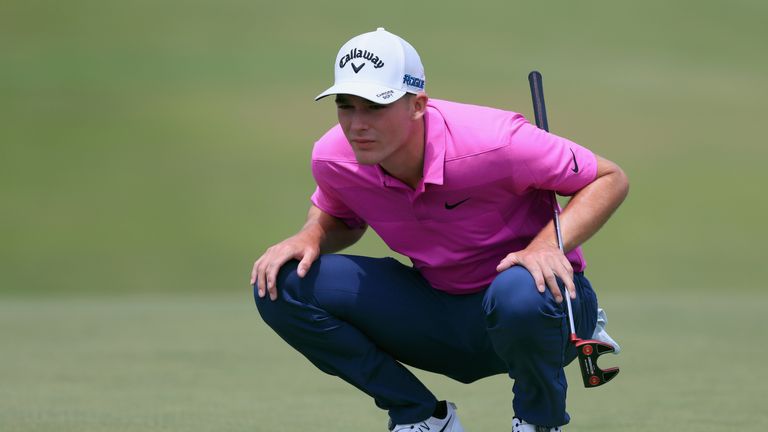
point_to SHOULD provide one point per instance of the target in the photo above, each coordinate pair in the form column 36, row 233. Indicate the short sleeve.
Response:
column 542, row 160
column 326, row 200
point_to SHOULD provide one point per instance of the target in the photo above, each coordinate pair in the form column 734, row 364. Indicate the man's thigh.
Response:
column 403, row 315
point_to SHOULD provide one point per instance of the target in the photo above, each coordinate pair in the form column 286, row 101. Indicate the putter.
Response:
column 588, row 350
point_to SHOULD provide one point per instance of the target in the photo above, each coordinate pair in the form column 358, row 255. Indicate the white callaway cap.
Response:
column 378, row 66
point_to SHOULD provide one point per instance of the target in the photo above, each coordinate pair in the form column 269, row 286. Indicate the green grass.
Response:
column 151, row 150
column 168, row 143
column 209, row 363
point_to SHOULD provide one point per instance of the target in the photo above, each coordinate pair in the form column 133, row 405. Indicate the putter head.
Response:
column 588, row 351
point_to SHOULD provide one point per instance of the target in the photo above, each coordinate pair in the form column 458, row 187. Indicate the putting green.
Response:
column 209, row 363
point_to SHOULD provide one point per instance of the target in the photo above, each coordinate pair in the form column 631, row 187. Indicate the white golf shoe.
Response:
column 448, row 424
column 519, row 425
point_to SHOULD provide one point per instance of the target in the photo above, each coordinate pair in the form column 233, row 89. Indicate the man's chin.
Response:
column 364, row 159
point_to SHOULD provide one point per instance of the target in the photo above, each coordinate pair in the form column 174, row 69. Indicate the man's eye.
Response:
column 376, row 107
column 343, row 107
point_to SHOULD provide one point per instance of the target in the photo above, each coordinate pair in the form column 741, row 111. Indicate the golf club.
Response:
column 588, row 349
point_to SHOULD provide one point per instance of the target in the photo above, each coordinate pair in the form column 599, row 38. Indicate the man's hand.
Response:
column 322, row 233
column 265, row 268
column 544, row 261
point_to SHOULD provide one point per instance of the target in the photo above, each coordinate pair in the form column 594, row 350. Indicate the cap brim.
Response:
column 373, row 92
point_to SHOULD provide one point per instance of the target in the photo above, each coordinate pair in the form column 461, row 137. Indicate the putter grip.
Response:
column 537, row 94
column 540, row 114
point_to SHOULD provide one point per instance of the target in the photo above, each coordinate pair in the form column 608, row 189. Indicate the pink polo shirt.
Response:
column 485, row 193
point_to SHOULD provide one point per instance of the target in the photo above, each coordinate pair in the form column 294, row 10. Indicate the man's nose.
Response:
column 359, row 121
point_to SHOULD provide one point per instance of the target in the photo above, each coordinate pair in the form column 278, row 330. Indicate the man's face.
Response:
column 376, row 132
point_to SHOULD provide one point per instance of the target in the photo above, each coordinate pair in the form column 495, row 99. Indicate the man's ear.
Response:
column 419, row 104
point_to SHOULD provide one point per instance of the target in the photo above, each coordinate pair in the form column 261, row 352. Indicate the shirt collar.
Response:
column 434, row 151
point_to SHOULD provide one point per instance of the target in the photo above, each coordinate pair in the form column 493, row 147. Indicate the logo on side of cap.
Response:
column 412, row 81
column 386, row 95
column 355, row 53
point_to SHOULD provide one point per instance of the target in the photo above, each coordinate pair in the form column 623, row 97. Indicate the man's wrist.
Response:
column 548, row 241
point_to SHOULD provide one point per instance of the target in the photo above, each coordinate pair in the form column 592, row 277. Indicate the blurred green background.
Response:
column 151, row 150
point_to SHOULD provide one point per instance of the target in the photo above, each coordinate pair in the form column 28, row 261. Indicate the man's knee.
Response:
column 288, row 285
column 512, row 302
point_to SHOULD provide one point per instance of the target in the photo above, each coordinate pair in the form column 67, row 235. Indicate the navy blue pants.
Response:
column 362, row 318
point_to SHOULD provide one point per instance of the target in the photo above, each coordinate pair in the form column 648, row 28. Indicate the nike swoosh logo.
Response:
column 453, row 206
column 575, row 164
column 357, row 68
column 446, row 423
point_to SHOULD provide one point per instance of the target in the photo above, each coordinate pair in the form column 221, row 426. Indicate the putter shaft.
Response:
column 559, row 234
column 587, row 350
